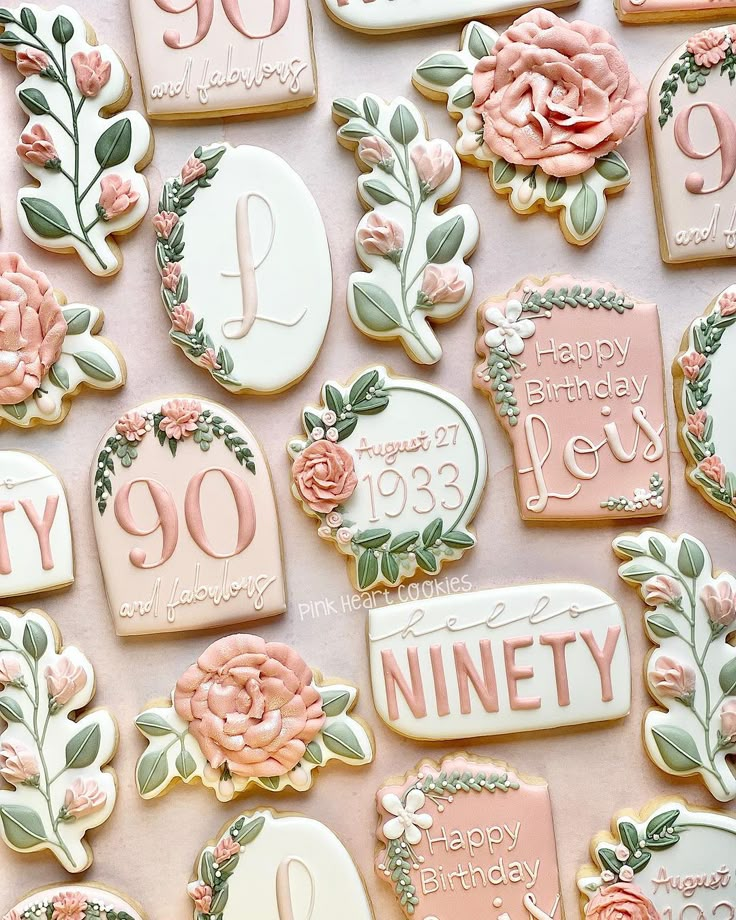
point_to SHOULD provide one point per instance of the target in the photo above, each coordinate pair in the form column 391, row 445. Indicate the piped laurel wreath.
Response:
column 686, row 71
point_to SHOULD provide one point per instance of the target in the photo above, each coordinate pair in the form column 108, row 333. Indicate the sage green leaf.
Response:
column 637, row 863
column 95, row 366
column 503, row 172
column 311, row 421
column 4, row 628
column 219, row 901
column 35, row 639
column 361, row 386
column 84, row 747
column 28, row 20
column 656, row 548
column 403, row 541
column 612, row 167
column 390, row 568
column 375, row 308
column 555, row 188
column 463, row 98
column 35, row 101
column 333, row 398
column 22, row 826
column 432, row 532
column 426, row 561
column 443, row 69
column 340, row 739
column 629, row 836
column 59, row 376
column 660, row 823
column 6, row 16
column 19, row 410
column 691, row 558
column 62, row 30
column 185, row 764
column 609, row 860
column 583, row 210
column 313, row 753
column 444, row 241
column 9, row 39
column 458, row 539
column 373, row 538
column 727, row 677
column 45, row 218
column 677, row 748
column 354, row 130
column 113, row 147
column 10, row 709
column 479, row 44
column 154, row 725
column 638, row 570
column 371, row 110
column 152, row 771
column 367, row 569
column 661, row 625
column 346, row 108
column 345, row 427
column 270, row 782
column 77, row 320
column 207, row 868
column 335, row 701
column 379, row 191
column 403, row 126
column 628, row 548
column 251, row 830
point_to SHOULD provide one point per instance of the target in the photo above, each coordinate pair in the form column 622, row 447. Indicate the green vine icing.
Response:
column 642, row 498
column 623, row 862
column 86, row 908
column 693, row 74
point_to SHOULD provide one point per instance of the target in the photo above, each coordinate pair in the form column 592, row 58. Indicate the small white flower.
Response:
column 510, row 329
column 317, row 433
column 626, row 874
column 408, row 821
column 622, row 852
column 607, row 875
column 328, row 418
column 332, row 434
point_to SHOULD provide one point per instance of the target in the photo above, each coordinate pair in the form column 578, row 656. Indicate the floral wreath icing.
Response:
column 416, row 257
column 53, row 763
column 355, row 439
column 281, row 323
column 692, row 673
column 699, row 379
column 75, row 902
column 84, row 163
column 559, row 152
column 49, row 349
column 655, row 10
column 249, row 714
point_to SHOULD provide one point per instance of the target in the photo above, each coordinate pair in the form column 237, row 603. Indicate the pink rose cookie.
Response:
column 671, row 860
column 249, row 713
column 692, row 144
column 415, row 257
column 52, row 761
column 279, row 867
column 185, row 519
column 575, row 373
column 691, row 674
column 87, row 190
column 643, row 11
column 544, row 108
column 49, row 349
column 211, row 58
column 393, row 469
column 457, row 836
column 74, row 902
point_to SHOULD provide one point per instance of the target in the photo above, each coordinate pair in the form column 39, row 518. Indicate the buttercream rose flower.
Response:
column 324, row 475
column 64, row 679
column 727, row 303
column 18, row 763
column 626, row 874
column 209, row 360
column 672, row 678
column 696, row 423
column 441, row 284
column 83, row 797
column 622, row 852
column 334, row 519
column 728, row 720
column 31, row 61
column 116, row 197
column 317, row 433
column 182, row 318
column 661, row 590
column 381, row 236
column 620, row 901
column 691, row 363
column 434, row 163
column 32, row 329
column 328, row 418
column 202, row 897
column 193, row 169
column 344, row 535
column 225, row 849
column 719, row 602
column 164, row 222
column 509, row 328
column 250, row 705
column 708, row 47
column 713, row 468
column 180, row 417
column 69, row 905
column 37, row 146
column 374, row 151
column 91, row 72
column 10, row 670
column 332, row 434
column 171, row 276
column 132, row 426
column 556, row 94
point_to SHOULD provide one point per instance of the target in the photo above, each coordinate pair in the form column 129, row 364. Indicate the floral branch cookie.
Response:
column 394, row 470
column 416, row 257
column 692, row 672
column 87, row 191
column 52, row 762
column 49, row 349
column 283, row 867
column 544, row 144
column 249, row 714
column 75, row 902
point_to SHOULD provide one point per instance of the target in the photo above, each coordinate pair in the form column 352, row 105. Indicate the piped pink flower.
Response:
column 132, row 426
column 31, row 61
column 708, row 47
column 719, row 602
column 171, row 276
column 193, row 169
column 673, row 678
column 83, row 797
column 64, row 679
column 180, row 417
column 691, row 364
column 441, row 284
column 661, row 590
column 182, row 318
column 18, row 763
column 209, row 360
column 69, row 905
column 37, row 146
column 226, row 848
column 713, row 468
column 164, row 222
column 202, row 897
column 10, row 670
column 728, row 720
column 91, row 72
column 381, row 236
column 374, row 151
column 116, row 197
column 727, row 303
column 434, row 164
column 696, row 423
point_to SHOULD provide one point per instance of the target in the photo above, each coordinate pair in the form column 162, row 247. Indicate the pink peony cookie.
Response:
column 75, row 902
column 249, row 713
column 523, row 118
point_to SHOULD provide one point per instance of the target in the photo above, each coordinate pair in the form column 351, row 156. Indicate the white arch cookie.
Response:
column 280, row 867
column 53, row 762
column 249, row 715
column 245, row 266
column 84, row 902
column 83, row 160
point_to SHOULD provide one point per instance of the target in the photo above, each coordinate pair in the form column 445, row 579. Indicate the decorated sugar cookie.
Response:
column 692, row 141
column 691, row 674
column 522, row 116
column 83, row 160
column 249, row 715
column 52, row 761
column 468, row 838
column 637, row 11
column 673, row 861
column 511, row 659
column 185, row 518
column 415, row 257
column 393, row 469
column 35, row 531
column 49, row 349
column 279, row 867
column 212, row 58
column 702, row 378
column 245, row 268
column 575, row 373
column 82, row 902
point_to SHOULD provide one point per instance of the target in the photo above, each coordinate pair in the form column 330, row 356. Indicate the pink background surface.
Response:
column 147, row 849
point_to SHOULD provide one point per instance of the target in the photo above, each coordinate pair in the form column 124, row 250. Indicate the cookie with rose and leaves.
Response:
column 75, row 902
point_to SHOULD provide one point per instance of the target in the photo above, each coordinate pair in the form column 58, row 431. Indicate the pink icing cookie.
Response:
column 75, row 902
column 457, row 836
column 575, row 373
column 638, row 11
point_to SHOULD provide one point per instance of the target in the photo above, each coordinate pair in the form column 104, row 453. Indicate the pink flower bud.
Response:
column 18, row 763
column 662, row 590
column 381, row 236
column 182, row 318
column 64, row 680
column 10, row 670
column 193, row 169
column 202, row 897
column 226, row 848
column 713, row 468
column 727, row 303
column 31, row 61
column 728, row 720
column 672, row 678
column 209, row 360
column 374, row 151
column 441, row 284
column 434, row 163
column 82, row 797
column 691, row 364
column 116, row 197
column 171, row 275
column 718, row 600
column 696, row 423
column 37, row 146
column 132, row 426
column 91, row 72
column 164, row 222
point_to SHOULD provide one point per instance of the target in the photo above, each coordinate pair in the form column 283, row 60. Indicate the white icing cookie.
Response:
column 185, row 518
column 514, row 659
column 394, row 470
column 278, row 867
column 673, row 861
column 692, row 144
column 415, row 256
column 457, row 836
column 81, row 902
column 245, row 267
column 638, row 11
column 289, row 723
column 510, row 123
column 86, row 189
column 211, row 58
column 691, row 674
column 35, row 532
column 575, row 373
column 52, row 760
